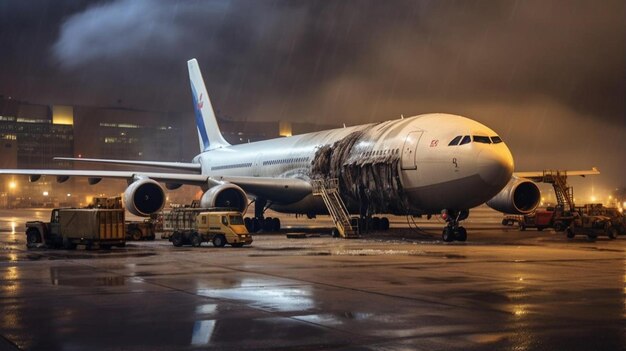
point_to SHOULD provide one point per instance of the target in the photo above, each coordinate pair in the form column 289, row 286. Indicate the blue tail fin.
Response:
column 208, row 131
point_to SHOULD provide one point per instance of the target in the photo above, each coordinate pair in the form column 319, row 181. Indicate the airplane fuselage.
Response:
column 403, row 166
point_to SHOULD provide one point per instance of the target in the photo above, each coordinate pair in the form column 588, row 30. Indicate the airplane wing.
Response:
column 538, row 176
column 172, row 165
column 273, row 189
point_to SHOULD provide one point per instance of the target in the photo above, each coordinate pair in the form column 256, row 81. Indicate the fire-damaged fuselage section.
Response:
column 370, row 183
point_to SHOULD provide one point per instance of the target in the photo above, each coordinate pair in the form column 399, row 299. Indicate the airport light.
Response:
column 68, row 194
column 45, row 193
column 12, row 185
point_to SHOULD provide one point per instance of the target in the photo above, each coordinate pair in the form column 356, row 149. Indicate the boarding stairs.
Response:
column 564, row 193
column 329, row 191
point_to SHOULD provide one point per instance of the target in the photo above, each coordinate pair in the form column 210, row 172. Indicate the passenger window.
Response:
column 455, row 141
column 224, row 220
column 496, row 139
column 466, row 140
column 482, row 139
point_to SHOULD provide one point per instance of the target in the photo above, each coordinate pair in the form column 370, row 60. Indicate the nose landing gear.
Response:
column 453, row 231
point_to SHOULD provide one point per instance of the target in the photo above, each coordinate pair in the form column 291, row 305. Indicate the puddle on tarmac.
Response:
column 603, row 249
column 89, row 282
column 82, row 256
column 286, row 248
column 323, row 253
column 83, row 277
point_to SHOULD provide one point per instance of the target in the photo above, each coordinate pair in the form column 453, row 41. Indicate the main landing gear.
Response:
column 259, row 222
column 453, row 231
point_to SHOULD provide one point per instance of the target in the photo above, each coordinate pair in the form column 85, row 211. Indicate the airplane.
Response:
column 427, row 164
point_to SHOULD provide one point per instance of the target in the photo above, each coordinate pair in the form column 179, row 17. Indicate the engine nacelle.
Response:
column 519, row 196
column 144, row 197
column 225, row 195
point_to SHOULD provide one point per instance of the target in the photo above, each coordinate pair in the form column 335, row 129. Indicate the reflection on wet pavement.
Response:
column 316, row 293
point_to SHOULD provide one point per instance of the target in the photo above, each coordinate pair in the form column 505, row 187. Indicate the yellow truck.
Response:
column 69, row 227
column 193, row 226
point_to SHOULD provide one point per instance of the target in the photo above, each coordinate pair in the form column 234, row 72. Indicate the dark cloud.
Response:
column 547, row 74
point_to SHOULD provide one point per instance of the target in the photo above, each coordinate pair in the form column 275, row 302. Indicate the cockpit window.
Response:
column 455, row 141
column 482, row 139
column 466, row 140
column 496, row 139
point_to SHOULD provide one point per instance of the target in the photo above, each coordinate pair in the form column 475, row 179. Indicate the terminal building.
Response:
column 32, row 135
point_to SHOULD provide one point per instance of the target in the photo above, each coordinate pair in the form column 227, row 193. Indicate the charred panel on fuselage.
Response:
column 368, row 173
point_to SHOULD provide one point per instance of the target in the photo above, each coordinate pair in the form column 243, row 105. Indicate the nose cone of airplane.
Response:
column 495, row 165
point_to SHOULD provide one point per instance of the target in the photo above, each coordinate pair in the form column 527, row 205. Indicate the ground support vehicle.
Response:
column 69, row 227
column 193, row 226
column 140, row 230
column 511, row 220
column 592, row 227
column 551, row 217
column 595, row 220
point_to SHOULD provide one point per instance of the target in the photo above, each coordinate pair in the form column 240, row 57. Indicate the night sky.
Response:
column 548, row 76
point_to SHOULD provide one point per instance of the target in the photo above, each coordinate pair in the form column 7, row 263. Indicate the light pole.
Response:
column 12, row 187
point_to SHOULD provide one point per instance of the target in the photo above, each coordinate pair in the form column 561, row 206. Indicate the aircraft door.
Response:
column 409, row 150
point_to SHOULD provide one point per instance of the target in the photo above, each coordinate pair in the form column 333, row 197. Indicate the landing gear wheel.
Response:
column 276, row 224
column 196, row 241
column 177, row 239
column 335, row 233
column 612, row 233
column 447, row 235
column 219, row 241
column 592, row 236
column 256, row 225
column 268, row 224
column 135, row 234
column 376, row 223
column 461, row 234
column 384, row 223
column 362, row 225
column 570, row 233
column 522, row 227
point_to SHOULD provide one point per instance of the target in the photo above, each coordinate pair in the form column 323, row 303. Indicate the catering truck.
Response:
column 69, row 227
column 193, row 226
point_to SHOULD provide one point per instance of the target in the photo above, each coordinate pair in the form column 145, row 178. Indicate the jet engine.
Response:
column 519, row 196
column 225, row 195
column 144, row 197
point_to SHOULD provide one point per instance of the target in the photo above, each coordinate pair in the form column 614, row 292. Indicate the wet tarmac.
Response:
column 402, row 290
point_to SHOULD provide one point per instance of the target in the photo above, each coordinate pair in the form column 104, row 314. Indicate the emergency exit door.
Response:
column 409, row 150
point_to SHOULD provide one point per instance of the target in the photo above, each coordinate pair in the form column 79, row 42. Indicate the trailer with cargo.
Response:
column 193, row 226
column 69, row 227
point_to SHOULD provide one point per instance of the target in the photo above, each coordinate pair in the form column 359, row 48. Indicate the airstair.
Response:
column 564, row 193
column 329, row 191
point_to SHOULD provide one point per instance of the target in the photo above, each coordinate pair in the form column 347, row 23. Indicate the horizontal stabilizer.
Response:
column 170, row 165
